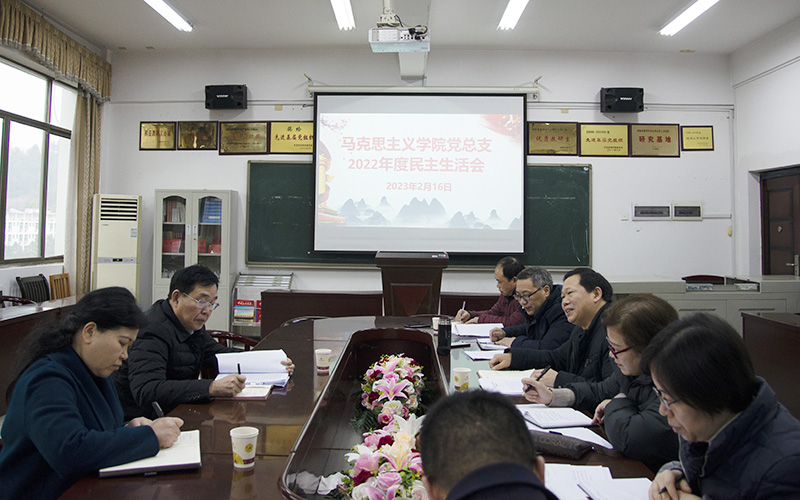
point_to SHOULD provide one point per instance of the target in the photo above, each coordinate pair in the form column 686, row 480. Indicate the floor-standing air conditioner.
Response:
column 115, row 241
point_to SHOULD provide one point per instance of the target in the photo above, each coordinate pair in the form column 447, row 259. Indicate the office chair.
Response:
column 300, row 319
column 224, row 337
column 34, row 288
column 59, row 286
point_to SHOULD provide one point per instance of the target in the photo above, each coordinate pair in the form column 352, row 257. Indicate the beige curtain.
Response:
column 83, row 185
column 26, row 31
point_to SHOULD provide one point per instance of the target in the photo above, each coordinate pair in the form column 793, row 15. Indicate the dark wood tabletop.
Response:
column 281, row 420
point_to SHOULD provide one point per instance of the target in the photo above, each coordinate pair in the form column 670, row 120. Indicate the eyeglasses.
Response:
column 615, row 352
column 525, row 298
column 202, row 304
column 661, row 398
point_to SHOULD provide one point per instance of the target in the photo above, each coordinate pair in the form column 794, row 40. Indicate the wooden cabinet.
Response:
column 194, row 227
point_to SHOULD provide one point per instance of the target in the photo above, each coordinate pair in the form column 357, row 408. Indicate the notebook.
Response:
column 184, row 454
column 260, row 367
column 549, row 418
column 250, row 392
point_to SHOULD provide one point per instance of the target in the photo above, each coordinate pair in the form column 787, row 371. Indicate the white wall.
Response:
column 765, row 77
column 687, row 89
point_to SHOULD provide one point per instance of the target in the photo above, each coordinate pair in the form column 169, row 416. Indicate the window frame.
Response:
column 49, row 130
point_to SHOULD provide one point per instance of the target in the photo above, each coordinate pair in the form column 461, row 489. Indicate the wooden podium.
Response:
column 412, row 281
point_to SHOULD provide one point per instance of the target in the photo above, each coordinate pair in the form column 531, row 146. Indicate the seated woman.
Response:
column 736, row 440
column 64, row 419
column 625, row 401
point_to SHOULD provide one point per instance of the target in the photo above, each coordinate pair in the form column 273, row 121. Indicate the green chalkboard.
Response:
column 280, row 218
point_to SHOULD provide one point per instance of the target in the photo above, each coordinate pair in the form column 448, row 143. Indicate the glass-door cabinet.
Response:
column 193, row 227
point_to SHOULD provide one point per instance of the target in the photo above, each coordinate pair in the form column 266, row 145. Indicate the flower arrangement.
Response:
column 391, row 387
column 386, row 465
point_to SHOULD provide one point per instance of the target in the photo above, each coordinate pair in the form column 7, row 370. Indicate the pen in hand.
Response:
column 546, row 369
column 158, row 410
column 239, row 368
column 680, row 477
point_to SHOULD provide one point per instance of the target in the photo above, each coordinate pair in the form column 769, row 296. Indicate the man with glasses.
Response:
column 585, row 295
column 164, row 362
column 546, row 326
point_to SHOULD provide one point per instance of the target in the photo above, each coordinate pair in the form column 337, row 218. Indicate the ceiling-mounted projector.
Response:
column 399, row 39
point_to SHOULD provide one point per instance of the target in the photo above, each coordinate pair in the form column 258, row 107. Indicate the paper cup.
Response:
column 435, row 323
column 243, row 442
column 461, row 378
column 323, row 357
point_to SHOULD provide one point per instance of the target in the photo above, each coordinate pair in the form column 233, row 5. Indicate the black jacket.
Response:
column 584, row 357
column 547, row 329
column 633, row 424
column 502, row 481
column 163, row 365
column 755, row 457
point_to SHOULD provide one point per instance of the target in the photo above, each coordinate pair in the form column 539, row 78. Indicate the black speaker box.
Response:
column 621, row 100
column 226, row 96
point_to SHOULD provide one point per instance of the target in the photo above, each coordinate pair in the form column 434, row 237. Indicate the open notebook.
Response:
column 184, row 454
column 260, row 367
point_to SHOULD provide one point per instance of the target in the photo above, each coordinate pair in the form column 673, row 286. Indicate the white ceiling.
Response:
column 607, row 25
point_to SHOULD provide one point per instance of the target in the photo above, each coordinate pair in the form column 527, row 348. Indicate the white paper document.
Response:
column 480, row 355
column 507, row 386
column 629, row 488
column 550, row 418
column 488, row 345
column 512, row 374
column 184, row 454
column 475, row 329
column 260, row 367
column 563, row 479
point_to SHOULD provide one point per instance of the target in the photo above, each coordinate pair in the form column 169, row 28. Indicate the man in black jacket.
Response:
column 164, row 362
column 585, row 295
column 475, row 445
column 546, row 326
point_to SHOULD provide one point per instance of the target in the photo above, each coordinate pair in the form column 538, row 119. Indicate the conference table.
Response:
column 312, row 408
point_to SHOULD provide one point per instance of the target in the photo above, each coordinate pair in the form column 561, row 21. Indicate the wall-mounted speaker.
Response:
column 621, row 100
column 226, row 96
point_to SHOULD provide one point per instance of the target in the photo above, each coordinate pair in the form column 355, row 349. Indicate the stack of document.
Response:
column 475, row 329
column 507, row 382
column 582, row 433
column 552, row 418
column 480, row 355
column 260, row 367
column 488, row 345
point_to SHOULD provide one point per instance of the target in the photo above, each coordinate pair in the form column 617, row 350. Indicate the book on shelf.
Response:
column 244, row 310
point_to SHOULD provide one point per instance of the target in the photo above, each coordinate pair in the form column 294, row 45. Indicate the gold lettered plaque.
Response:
column 155, row 136
column 604, row 139
column 201, row 136
column 291, row 137
column 697, row 138
column 654, row 140
column 242, row 138
column 552, row 138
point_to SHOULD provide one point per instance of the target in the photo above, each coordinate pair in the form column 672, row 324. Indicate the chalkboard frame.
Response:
column 558, row 219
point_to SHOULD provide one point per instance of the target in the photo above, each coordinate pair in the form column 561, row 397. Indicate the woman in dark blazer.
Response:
column 64, row 419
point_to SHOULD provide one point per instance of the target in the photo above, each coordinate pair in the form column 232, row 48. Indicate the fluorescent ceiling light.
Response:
column 512, row 14
column 169, row 14
column 344, row 14
column 690, row 14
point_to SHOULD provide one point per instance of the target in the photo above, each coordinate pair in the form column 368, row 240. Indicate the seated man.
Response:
column 546, row 326
column 164, row 362
column 475, row 445
column 585, row 295
column 506, row 310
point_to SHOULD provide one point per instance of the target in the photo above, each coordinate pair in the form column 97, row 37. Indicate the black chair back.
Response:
column 34, row 288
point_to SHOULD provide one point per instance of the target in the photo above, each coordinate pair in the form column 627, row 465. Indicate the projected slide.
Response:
column 419, row 173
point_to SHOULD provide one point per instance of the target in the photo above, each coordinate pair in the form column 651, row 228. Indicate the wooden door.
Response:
column 780, row 221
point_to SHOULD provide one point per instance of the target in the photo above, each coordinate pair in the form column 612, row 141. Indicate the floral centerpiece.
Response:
column 386, row 465
column 391, row 387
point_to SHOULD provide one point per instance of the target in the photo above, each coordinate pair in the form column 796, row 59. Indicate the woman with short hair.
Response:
column 64, row 418
column 736, row 440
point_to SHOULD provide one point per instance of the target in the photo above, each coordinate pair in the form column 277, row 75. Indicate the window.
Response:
column 36, row 115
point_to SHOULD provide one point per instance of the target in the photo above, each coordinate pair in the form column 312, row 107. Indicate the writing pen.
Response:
column 546, row 368
column 680, row 477
column 158, row 410
column 239, row 368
